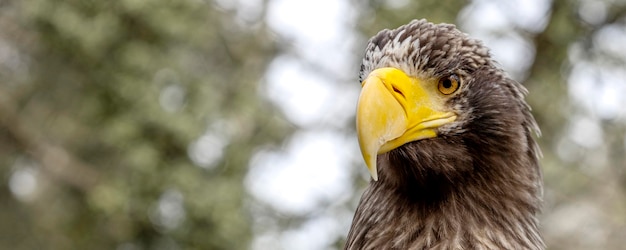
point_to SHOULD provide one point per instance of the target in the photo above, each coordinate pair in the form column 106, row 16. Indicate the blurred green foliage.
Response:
column 113, row 106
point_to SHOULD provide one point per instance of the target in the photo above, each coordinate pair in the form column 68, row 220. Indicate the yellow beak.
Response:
column 395, row 109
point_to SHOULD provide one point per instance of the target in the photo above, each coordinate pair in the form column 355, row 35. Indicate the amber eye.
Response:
column 448, row 85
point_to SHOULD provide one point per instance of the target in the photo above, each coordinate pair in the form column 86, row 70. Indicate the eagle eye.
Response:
column 448, row 85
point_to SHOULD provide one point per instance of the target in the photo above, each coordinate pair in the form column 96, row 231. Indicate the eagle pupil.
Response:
column 447, row 83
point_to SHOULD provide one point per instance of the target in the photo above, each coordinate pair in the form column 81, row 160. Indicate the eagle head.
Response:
column 433, row 96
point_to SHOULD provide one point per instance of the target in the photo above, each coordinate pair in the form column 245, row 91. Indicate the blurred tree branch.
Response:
column 54, row 159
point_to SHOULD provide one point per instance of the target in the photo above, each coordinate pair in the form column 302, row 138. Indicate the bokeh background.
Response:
column 200, row 124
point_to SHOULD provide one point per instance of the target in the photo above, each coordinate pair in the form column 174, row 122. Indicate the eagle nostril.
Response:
column 398, row 91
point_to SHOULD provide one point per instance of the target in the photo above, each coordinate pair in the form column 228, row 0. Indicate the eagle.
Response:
column 449, row 142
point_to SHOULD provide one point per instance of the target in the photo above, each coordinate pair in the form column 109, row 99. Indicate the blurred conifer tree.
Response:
column 136, row 119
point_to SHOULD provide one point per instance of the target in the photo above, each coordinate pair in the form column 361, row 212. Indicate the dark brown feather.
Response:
column 475, row 186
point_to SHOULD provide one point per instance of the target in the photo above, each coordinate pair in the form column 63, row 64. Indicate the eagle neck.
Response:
column 473, row 210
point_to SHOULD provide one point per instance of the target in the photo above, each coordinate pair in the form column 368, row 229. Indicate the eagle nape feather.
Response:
column 448, row 139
